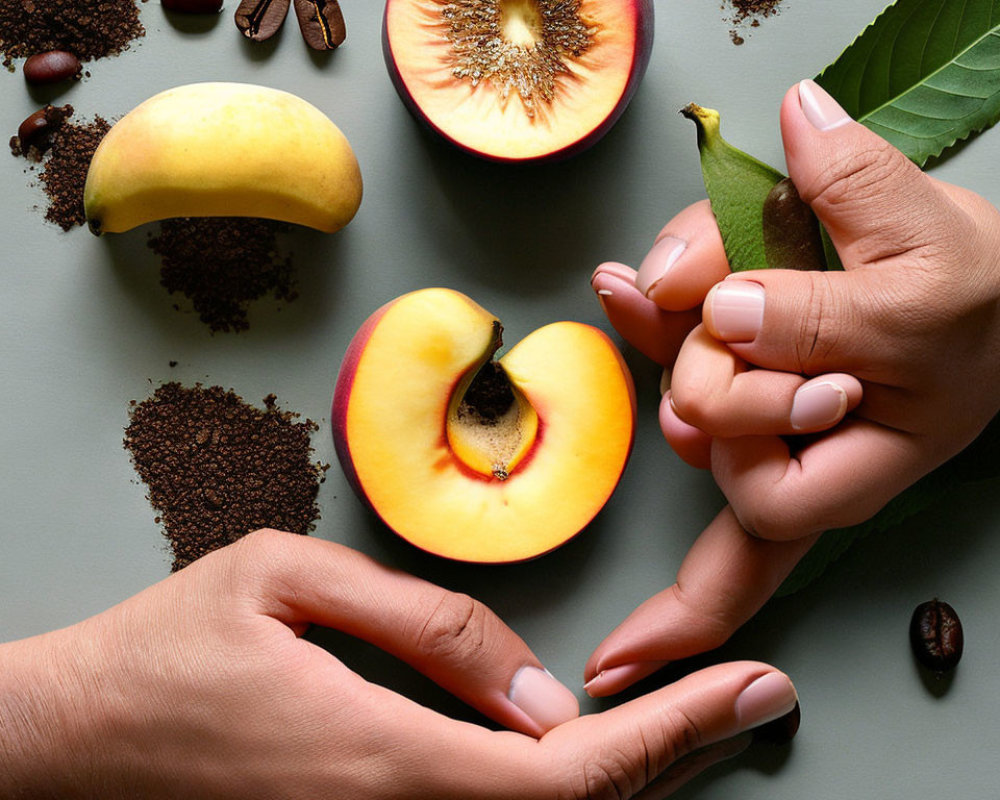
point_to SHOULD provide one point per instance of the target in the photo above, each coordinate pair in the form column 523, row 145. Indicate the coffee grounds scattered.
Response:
column 217, row 468
column 87, row 29
column 65, row 152
column 221, row 264
column 749, row 13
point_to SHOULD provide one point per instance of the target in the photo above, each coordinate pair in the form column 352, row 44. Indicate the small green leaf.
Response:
column 924, row 75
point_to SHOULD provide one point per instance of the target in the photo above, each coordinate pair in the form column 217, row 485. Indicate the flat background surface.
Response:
column 86, row 329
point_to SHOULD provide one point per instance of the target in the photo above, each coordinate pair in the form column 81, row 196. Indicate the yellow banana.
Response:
column 223, row 150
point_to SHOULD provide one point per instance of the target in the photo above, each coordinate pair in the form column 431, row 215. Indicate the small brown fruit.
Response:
column 51, row 67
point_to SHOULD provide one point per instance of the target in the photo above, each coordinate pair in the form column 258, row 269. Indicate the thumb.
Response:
column 452, row 638
column 625, row 748
column 885, row 217
column 871, row 199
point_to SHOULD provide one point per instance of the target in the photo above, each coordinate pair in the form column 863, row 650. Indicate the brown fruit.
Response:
column 51, row 67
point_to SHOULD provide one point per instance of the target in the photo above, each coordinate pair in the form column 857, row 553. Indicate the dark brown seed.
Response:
column 791, row 231
column 936, row 635
column 33, row 130
column 36, row 131
column 321, row 23
column 193, row 6
column 261, row 19
column 51, row 67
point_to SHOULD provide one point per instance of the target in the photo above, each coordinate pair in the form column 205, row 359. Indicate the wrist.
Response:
column 47, row 729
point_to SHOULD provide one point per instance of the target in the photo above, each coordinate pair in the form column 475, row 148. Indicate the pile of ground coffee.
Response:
column 64, row 151
column 221, row 264
column 217, row 468
column 88, row 29
column 749, row 13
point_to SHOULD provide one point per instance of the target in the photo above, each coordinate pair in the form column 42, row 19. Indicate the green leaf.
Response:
column 737, row 185
column 924, row 75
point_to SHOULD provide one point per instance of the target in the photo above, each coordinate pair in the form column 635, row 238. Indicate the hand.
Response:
column 911, row 324
column 897, row 358
column 201, row 686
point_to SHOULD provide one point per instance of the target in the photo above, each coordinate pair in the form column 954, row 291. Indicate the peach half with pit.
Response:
column 473, row 457
column 518, row 80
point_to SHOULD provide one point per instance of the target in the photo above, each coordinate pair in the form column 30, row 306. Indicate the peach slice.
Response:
column 514, row 80
column 472, row 458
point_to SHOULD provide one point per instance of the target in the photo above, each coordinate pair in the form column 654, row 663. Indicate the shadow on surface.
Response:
column 524, row 227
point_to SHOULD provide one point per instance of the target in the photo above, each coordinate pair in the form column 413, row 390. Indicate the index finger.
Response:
column 452, row 638
column 724, row 580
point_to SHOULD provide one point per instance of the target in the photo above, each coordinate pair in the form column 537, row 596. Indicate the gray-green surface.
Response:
column 87, row 329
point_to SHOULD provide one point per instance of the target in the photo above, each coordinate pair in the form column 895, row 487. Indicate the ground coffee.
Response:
column 217, row 468
column 88, row 29
column 221, row 264
column 748, row 14
column 64, row 150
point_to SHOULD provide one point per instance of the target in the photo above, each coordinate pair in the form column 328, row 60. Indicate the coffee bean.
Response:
column 261, row 19
column 321, row 23
column 35, row 130
column 51, row 67
column 936, row 635
column 193, row 6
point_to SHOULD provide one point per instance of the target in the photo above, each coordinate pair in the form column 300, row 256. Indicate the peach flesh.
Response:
column 394, row 394
column 475, row 106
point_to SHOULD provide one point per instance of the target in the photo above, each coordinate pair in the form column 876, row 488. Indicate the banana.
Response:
column 223, row 149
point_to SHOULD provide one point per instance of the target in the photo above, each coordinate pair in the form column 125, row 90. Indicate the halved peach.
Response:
column 472, row 458
column 513, row 80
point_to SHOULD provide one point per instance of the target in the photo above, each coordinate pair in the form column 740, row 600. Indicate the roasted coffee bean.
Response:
column 791, row 231
column 261, row 19
column 321, row 23
column 193, row 6
column 51, row 67
column 936, row 635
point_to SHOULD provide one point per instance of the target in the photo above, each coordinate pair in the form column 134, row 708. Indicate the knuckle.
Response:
column 621, row 768
column 695, row 402
column 821, row 327
column 602, row 777
column 261, row 547
column 857, row 177
column 455, row 625
column 712, row 617
column 261, row 558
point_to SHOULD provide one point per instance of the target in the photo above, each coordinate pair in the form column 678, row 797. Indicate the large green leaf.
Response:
column 924, row 75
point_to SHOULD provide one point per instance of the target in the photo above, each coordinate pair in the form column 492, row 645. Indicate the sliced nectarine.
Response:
column 513, row 80
column 473, row 458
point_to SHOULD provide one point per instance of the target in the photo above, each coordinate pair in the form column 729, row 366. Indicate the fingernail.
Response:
column 822, row 111
column 657, row 263
column 539, row 695
column 818, row 404
column 767, row 698
column 735, row 310
column 609, row 681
